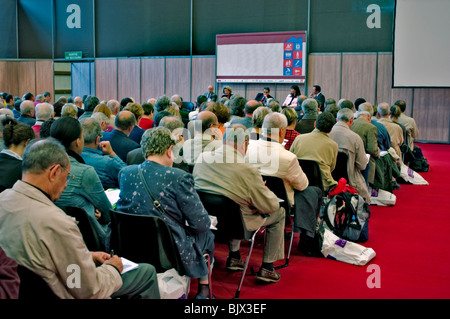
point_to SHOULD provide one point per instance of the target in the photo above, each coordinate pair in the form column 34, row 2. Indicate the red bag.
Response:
column 342, row 187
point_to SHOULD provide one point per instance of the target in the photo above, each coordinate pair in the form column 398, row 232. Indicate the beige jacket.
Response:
column 396, row 134
column 40, row 236
column 225, row 172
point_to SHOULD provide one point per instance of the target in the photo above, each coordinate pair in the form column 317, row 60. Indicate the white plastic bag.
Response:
column 339, row 249
column 410, row 176
column 172, row 285
column 381, row 197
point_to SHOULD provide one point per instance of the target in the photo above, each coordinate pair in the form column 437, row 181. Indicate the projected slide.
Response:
column 278, row 57
column 421, row 45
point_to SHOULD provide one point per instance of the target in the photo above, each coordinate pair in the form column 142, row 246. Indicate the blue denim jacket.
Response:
column 86, row 191
column 107, row 167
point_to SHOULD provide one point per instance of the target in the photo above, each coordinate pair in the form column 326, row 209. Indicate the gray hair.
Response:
column 91, row 129
column 69, row 110
column 290, row 114
column 177, row 100
column 26, row 106
column 366, row 106
column 44, row 111
column 345, row 115
column 162, row 103
column 363, row 113
column 274, row 105
column 383, row 109
column 310, row 106
column 274, row 120
column 156, row 141
column 259, row 114
column 100, row 117
column 171, row 122
column 40, row 154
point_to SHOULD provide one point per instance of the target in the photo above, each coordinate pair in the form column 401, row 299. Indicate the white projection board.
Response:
column 421, row 56
column 277, row 57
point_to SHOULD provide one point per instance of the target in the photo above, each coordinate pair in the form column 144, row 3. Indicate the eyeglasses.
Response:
column 70, row 176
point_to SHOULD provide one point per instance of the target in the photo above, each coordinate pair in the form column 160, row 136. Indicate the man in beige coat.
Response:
column 41, row 237
column 225, row 172
column 351, row 143
column 395, row 131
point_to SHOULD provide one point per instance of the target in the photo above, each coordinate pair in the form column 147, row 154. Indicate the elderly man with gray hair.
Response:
column 44, row 112
column 174, row 189
column 271, row 158
column 310, row 109
column 99, row 154
column 27, row 113
column 351, row 143
column 224, row 171
column 394, row 130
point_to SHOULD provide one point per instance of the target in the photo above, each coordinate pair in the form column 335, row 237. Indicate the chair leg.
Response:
column 252, row 242
column 286, row 263
column 206, row 256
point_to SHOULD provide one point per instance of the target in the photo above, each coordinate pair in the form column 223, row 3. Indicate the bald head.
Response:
column 27, row 108
column 251, row 106
column 125, row 121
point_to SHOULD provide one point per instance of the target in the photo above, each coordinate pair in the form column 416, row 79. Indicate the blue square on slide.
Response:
column 287, row 71
column 288, row 55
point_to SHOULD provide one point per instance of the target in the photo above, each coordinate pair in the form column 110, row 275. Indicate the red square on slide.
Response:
column 297, row 71
column 288, row 46
column 287, row 63
column 298, row 55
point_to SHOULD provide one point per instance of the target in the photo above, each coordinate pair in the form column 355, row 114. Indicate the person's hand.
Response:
column 116, row 262
column 97, row 214
column 106, row 148
column 99, row 257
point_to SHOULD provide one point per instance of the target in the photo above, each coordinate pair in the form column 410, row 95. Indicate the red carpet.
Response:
column 411, row 240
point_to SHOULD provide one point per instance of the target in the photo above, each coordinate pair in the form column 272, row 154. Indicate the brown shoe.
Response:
column 234, row 264
column 268, row 276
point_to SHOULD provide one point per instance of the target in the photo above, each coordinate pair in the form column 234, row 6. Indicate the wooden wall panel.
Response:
column 432, row 114
column 129, row 79
column 358, row 76
column 203, row 75
column 384, row 79
column 9, row 77
column 152, row 78
column 178, row 77
column 27, row 77
column 44, row 77
column 325, row 70
column 106, row 79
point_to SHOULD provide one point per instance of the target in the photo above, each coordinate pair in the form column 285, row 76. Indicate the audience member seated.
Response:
column 271, row 159
column 114, row 106
column 368, row 132
column 44, row 131
column 49, row 243
column 225, row 172
column 100, row 155
column 102, row 119
column 395, row 114
column 319, row 147
column 383, row 137
column 274, row 105
column 146, row 121
column 207, row 136
column 43, row 111
column 330, row 106
column 174, row 189
column 291, row 133
column 346, row 104
column 27, row 113
column 310, row 111
column 237, row 106
column 84, row 188
column 409, row 123
column 222, row 112
column 136, row 132
column 394, row 130
column 120, row 142
column 89, row 105
column 124, row 102
column 103, row 108
column 258, row 119
column 69, row 110
column 249, row 108
column 158, row 117
column 292, row 99
column 16, row 136
column 201, row 101
column 351, row 143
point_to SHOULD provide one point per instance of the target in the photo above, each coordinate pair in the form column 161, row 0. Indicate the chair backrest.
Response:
column 230, row 223
column 87, row 229
column 341, row 167
column 312, row 170
column 188, row 105
column 276, row 185
column 145, row 239
column 33, row 286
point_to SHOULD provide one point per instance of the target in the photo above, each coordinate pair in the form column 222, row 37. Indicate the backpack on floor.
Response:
column 347, row 216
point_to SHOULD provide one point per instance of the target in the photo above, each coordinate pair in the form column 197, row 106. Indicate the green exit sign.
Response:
column 76, row 55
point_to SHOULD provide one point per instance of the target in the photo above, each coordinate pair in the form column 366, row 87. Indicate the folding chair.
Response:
column 341, row 167
column 145, row 239
column 230, row 224
column 312, row 170
column 276, row 185
column 33, row 286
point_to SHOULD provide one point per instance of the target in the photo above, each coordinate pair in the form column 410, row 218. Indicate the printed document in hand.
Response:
column 128, row 265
